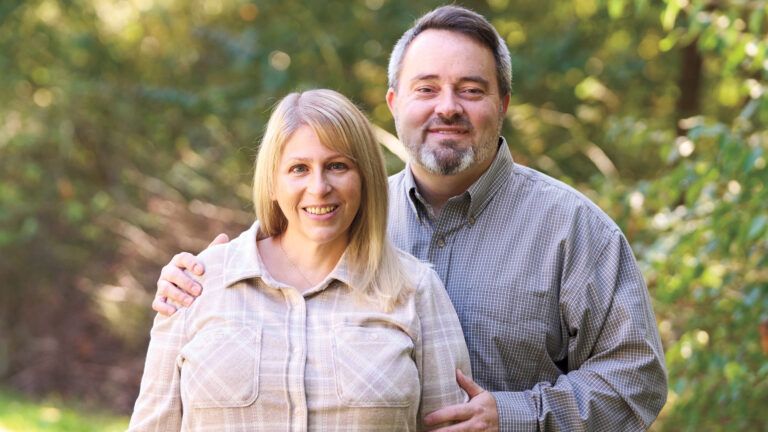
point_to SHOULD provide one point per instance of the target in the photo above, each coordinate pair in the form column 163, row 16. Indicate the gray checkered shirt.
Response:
column 554, row 309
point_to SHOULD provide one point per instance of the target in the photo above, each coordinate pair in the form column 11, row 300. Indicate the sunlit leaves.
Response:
column 117, row 113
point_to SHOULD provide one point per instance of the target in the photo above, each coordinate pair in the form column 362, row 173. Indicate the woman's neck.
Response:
column 299, row 263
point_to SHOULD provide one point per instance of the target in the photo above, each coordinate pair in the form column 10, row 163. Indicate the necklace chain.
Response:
column 301, row 273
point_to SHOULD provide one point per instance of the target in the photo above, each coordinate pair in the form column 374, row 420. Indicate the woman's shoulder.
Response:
column 419, row 273
column 213, row 259
column 228, row 258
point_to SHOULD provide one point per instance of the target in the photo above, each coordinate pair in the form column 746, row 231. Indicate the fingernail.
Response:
column 198, row 269
column 196, row 290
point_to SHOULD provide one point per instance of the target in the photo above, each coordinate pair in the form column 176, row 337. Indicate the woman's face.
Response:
column 317, row 189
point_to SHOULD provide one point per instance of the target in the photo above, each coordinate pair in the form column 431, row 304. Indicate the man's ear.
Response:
column 505, row 103
column 391, row 100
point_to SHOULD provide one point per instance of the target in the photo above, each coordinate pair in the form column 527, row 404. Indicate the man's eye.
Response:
column 473, row 91
column 425, row 90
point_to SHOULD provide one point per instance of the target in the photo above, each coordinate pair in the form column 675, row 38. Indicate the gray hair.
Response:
column 461, row 20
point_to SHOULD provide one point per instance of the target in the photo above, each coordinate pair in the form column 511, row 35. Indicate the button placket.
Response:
column 296, row 361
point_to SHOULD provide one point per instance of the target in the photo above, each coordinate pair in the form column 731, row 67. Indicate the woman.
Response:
column 310, row 319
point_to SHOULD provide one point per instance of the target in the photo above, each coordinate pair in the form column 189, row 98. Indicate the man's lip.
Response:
column 448, row 130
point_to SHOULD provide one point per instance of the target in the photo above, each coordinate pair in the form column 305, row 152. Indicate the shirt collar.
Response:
column 244, row 262
column 483, row 190
column 242, row 259
column 414, row 197
column 480, row 192
column 341, row 272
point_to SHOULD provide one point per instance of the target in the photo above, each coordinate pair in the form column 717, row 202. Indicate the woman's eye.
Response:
column 298, row 169
column 337, row 166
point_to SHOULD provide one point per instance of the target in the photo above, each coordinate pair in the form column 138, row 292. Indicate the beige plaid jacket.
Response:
column 252, row 354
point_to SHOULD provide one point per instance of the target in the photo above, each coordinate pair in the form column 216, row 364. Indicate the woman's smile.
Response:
column 321, row 210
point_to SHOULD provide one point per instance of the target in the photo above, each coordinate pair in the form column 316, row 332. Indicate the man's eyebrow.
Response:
column 475, row 79
column 470, row 78
column 424, row 77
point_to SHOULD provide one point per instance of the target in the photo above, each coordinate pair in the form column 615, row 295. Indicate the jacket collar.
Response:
column 242, row 261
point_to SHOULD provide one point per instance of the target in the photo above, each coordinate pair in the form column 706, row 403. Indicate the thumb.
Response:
column 220, row 239
column 466, row 383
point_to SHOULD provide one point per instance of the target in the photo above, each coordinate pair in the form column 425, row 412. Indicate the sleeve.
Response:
column 441, row 348
column 158, row 407
column 616, row 377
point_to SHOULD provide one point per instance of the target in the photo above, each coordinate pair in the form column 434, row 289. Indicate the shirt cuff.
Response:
column 517, row 412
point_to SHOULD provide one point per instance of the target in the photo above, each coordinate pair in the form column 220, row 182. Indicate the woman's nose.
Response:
column 319, row 184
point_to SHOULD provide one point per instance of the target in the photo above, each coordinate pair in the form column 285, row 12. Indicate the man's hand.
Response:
column 176, row 285
column 479, row 414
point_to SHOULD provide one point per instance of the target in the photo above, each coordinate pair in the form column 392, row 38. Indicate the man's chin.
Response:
column 447, row 166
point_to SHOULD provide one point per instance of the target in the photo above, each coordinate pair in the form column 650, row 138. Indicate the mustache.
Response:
column 456, row 120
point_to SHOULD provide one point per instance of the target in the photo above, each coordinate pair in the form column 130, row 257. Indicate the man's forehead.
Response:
column 435, row 54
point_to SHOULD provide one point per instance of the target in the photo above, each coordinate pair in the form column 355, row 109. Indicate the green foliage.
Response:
column 128, row 128
column 700, row 227
column 20, row 415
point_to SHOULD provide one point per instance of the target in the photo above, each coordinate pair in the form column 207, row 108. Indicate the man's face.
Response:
column 447, row 107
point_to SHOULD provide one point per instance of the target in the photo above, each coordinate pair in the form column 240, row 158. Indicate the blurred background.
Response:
column 128, row 130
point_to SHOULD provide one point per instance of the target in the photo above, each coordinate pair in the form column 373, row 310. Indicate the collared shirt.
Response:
column 554, row 309
column 254, row 354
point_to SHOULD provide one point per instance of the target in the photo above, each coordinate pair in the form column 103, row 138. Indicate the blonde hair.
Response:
column 342, row 127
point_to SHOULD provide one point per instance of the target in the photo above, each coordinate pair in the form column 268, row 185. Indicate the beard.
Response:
column 447, row 159
column 448, row 156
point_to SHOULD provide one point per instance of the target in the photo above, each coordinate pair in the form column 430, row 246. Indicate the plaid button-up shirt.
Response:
column 252, row 354
column 556, row 314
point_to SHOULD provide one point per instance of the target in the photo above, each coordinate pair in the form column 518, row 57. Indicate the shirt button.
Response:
column 441, row 242
column 471, row 220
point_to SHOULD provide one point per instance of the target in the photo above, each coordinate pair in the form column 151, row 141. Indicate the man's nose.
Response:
column 449, row 105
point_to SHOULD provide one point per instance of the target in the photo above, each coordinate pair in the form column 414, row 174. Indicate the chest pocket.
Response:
column 374, row 368
column 220, row 367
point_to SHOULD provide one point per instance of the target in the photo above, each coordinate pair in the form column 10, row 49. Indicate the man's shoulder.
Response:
column 552, row 195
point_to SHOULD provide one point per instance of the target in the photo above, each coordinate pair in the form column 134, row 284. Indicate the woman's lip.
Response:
column 320, row 210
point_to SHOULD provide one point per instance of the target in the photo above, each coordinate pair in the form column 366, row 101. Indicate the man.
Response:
column 554, row 309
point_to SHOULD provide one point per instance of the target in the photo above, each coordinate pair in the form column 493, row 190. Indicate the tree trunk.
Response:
column 688, row 104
